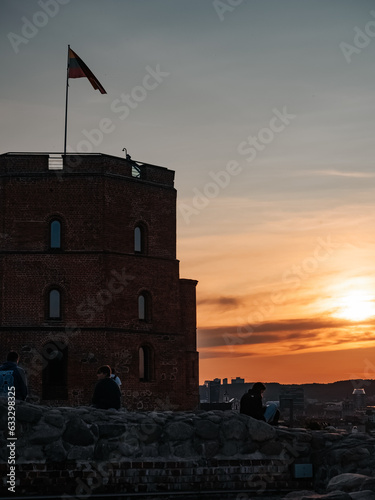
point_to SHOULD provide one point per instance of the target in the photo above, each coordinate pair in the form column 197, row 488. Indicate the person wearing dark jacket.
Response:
column 107, row 393
column 251, row 404
column 19, row 377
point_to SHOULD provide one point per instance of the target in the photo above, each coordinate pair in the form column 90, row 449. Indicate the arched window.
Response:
column 145, row 363
column 54, row 374
column 141, row 307
column 144, row 306
column 54, row 304
column 140, row 239
column 55, row 234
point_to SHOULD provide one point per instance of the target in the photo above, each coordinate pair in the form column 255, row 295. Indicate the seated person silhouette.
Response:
column 251, row 404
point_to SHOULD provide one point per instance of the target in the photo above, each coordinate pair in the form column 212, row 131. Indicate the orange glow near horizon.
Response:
column 291, row 308
column 307, row 368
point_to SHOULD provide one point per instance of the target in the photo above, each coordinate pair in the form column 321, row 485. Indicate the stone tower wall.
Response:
column 99, row 275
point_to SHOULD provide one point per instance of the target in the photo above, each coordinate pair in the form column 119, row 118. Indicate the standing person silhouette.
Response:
column 19, row 377
column 107, row 393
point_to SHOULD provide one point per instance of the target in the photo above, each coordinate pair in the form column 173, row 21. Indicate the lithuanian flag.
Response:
column 78, row 69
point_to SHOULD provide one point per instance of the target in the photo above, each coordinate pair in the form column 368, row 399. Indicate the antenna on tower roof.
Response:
column 128, row 157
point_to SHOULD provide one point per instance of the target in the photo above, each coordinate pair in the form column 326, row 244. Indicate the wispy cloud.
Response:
column 225, row 303
column 358, row 175
column 289, row 336
column 220, row 353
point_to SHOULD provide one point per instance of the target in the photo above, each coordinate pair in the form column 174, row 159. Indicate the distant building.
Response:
column 359, row 399
column 238, row 380
column 292, row 397
column 210, row 391
column 214, row 390
column 347, row 407
column 370, row 412
column 333, row 409
column 225, row 381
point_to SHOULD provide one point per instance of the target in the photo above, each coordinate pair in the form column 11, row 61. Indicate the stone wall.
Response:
column 83, row 451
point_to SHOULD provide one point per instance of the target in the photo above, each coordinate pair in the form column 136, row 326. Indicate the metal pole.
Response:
column 66, row 103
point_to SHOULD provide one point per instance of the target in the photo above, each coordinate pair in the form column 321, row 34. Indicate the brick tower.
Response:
column 89, row 276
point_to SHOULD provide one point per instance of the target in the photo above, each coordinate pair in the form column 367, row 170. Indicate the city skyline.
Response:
column 265, row 110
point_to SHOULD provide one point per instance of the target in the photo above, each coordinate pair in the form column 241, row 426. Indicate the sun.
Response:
column 356, row 305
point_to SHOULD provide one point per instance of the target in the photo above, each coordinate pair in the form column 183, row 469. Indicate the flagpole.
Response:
column 66, row 103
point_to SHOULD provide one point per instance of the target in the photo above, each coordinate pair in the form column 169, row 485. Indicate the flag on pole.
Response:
column 78, row 69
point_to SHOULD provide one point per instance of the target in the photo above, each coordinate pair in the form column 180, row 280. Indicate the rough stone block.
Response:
column 149, row 432
column 355, row 455
column 346, row 482
column 55, row 418
column 369, row 484
column 80, row 453
column 28, row 413
column 32, row 453
column 229, row 448
column 43, row 434
column 55, row 452
column 208, row 448
column 179, row 431
column 272, row 448
column 206, row 429
column 363, row 495
column 183, row 450
column 259, row 430
column 234, row 429
column 78, row 433
column 334, row 495
column 111, row 430
column 105, row 450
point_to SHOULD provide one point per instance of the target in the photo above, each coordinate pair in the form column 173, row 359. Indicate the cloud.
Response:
column 212, row 354
column 359, row 175
column 315, row 333
column 225, row 303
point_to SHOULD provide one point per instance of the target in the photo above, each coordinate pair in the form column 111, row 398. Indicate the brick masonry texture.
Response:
column 99, row 276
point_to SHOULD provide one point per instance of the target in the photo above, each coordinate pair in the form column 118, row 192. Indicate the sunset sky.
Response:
column 266, row 112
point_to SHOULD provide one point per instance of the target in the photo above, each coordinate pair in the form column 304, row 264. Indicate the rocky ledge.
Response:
column 83, row 433
column 342, row 487
column 343, row 464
